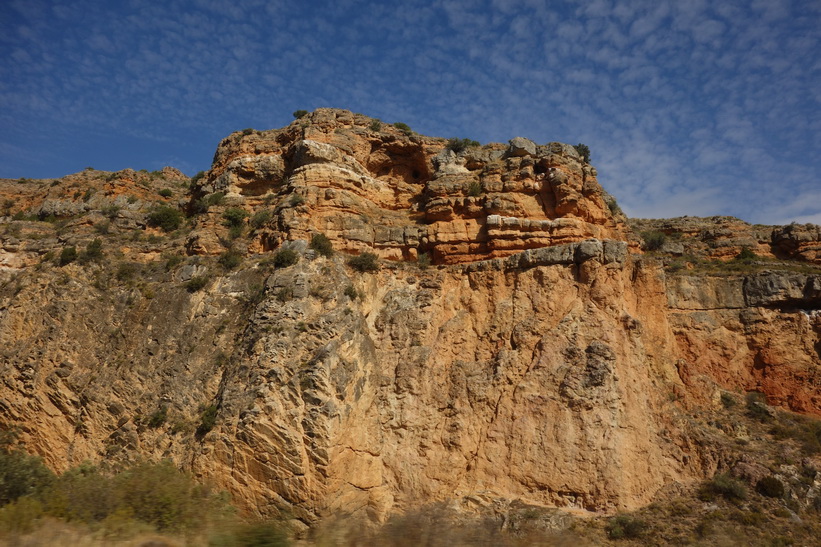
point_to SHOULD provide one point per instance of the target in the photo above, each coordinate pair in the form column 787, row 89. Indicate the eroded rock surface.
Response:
column 542, row 358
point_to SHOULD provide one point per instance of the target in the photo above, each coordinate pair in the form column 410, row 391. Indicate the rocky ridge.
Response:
column 543, row 358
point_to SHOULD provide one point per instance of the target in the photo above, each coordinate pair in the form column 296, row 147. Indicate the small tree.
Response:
column 300, row 114
column 93, row 252
column 322, row 245
column 285, row 257
column 67, row 256
column 234, row 216
column 166, row 218
column 366, row 262
column 584, row 152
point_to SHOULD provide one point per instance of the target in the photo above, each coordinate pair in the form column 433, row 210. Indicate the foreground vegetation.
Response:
column 91, row 505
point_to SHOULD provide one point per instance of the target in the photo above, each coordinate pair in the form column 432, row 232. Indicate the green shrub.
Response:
column 93, row 252
column 196, row 283
column 460, row 145
column 351, row 292
column 20, row 473
column 166, row 193
column 584, row 152
column 206, row 202
column 757, row 407
column 285, row 257
column 261, row 534
column 166, row 218
column 366, row 262
column 770, row 486
column 746, row 254
column 376, row 125
column 654, row 240
column 110, row 211
column 296, row 200
column 474, row 189
column 158, row 418
column 248, row 131
column 322, row 245
column 285, row 294
column 260, row 219
column 300, row 114
column 20, row 516
column 423, row 261
column 67, row 256
column 126, row 271
column 172, row 262
column 722, row 485
column 196, row 178
column 208, row 419
column 615, row 208
column 404, row 128
column 234, row 216
column 230, row 259
column 727, row 400
column 235, row 232
column 625, row 527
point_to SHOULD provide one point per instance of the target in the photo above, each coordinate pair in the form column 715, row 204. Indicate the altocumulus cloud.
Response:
column 689, row 107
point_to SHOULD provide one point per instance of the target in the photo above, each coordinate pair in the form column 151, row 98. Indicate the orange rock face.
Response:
column 543, row 358
column 376, row 189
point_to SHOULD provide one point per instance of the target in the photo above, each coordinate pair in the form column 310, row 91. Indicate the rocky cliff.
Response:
column 541, row 356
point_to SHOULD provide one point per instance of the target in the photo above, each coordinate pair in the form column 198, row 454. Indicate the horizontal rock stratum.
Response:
column 542, row 357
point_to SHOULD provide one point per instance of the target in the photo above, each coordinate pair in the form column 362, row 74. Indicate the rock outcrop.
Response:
column 542, row 358
column 372, row 187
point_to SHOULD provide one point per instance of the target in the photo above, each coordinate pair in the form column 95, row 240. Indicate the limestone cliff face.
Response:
column 372, row 187
column 542, row 358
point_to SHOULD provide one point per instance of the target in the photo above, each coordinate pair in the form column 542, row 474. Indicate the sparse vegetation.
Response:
column 166, row 192
column 725, row 486
column 322, row 245
column 93, row 252
column 654, row 240
column 196, row 283
column 158, row 418
column 166, row 218
column 584, row 152
column 366, row 262
column 230, row 259
column 474, row 189
column 234, row 216
column 196, row 178
column 296, row 200
column 206, row 202
column 300, row 114
column 260, row 219
column 248, row 131
column 460, row 145
column 746, row 254
column 351, row 292
column 285, row 257
column 423, row 261
column 625, row 527
column 208, row 419
column 67, row 256
column 404, row 128
column 376, row 125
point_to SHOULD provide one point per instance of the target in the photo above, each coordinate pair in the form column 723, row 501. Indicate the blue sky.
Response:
column 689, row 107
